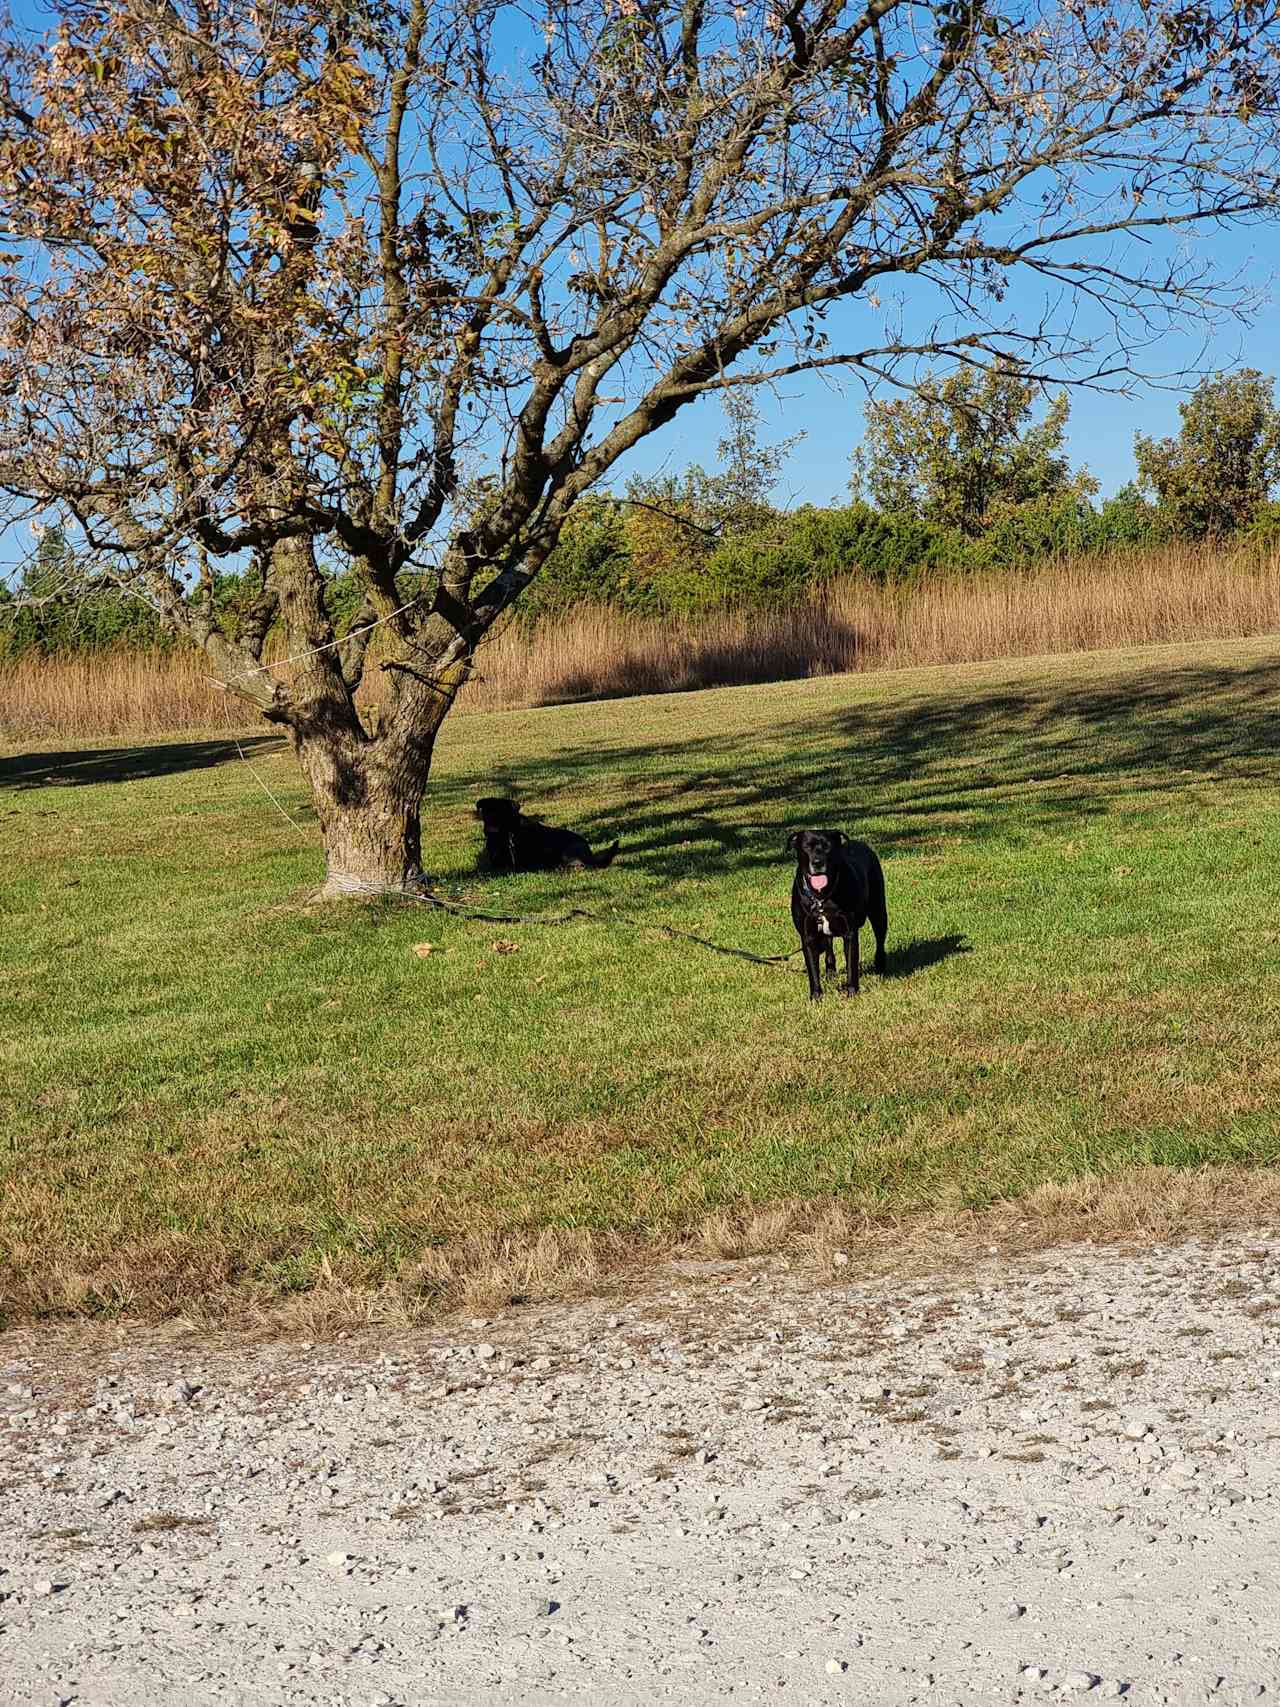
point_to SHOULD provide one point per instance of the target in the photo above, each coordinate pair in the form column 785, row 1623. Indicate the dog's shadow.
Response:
column 920, row 952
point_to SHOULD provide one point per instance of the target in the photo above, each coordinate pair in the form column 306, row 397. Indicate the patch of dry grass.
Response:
column 825, row 1239
column 1176, row 594
column 157, row 693
column 1179, row 593
column 1138, row 1207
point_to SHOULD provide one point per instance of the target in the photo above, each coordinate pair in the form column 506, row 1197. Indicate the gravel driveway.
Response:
column 1052, row 1477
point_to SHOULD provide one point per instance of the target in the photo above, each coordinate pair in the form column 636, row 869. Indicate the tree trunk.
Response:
column 369, row 806
column 367, row 777
column 369, row 824
column 367, row 793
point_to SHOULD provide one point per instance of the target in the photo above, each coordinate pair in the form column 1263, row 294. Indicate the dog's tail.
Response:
column 606, row 856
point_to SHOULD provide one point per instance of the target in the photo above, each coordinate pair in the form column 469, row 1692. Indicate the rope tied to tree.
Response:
column 419, row 892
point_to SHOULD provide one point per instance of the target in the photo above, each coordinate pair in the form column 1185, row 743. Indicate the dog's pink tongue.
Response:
column 818, row 879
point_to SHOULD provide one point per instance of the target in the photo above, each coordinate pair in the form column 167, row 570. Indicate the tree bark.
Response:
column 370, row 818
column 368, row 792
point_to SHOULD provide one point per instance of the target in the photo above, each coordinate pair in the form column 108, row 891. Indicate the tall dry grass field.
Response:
column 1178, row 594
column 113, row 693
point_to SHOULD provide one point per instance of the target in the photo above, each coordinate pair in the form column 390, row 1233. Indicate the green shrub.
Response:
column 1046, row 529
column 757, row 570
column 1260, row 541
column 1127, row 522
column 95, row 621
column 859, row 540
column 1214, row 477
column 591, row 564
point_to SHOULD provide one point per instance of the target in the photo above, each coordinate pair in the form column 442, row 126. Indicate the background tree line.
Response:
column 966, row 474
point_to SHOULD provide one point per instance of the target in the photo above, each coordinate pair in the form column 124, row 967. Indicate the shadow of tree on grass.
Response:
column 961, row 759
column 901, row 773
column 128, row 764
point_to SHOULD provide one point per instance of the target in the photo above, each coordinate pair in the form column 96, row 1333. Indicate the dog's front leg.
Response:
column 851, row 964
column 811, row 967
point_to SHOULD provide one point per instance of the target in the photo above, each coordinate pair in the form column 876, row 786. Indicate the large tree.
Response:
column 1223, row 464
column 385, row 286
column 965, row 450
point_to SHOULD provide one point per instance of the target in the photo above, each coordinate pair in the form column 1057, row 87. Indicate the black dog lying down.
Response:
column 838, row 886
column 513, row 842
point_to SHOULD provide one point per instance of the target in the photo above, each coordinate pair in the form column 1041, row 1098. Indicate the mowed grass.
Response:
column 214, row 1092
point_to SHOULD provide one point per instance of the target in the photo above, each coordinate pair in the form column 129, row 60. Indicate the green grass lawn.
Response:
column 207, row 1083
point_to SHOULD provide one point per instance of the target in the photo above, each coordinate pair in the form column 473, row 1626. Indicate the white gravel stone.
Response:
column 173, row 1393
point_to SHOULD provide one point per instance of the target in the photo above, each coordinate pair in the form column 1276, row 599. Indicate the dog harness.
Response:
column 824, row 923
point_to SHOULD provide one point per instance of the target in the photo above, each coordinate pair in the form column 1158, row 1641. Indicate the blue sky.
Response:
column 1102, row 426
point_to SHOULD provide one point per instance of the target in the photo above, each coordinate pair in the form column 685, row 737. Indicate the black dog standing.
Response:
column 838, row 886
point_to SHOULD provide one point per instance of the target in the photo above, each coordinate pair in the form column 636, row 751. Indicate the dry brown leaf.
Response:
column 423, row 949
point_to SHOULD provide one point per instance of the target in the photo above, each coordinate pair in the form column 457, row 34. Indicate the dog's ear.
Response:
column 792, row 842
column 838, row 837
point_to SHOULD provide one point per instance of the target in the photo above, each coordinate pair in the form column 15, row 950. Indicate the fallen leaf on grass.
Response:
column 502, row 946
column 423, row 949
